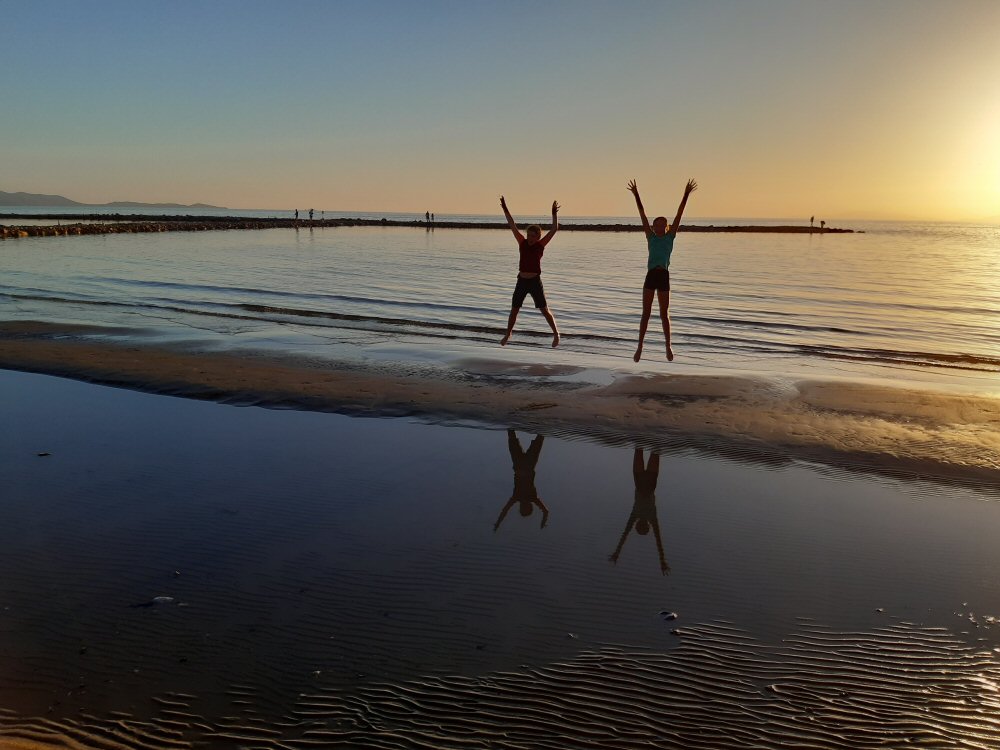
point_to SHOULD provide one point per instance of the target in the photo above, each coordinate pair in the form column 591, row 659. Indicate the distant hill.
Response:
column 35, row 199
column 39, row 199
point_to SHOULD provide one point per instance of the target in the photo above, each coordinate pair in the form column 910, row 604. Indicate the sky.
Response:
column 849, row 109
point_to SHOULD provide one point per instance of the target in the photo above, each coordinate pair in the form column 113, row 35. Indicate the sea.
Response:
column 912, row 305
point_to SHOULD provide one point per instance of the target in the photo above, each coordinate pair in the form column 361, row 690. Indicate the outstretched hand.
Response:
column 555, row 207
column 690, row 187
column 633, row 188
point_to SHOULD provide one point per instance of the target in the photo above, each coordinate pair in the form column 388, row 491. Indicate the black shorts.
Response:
column 524, row 287
column 645, row 482
column 657, row 278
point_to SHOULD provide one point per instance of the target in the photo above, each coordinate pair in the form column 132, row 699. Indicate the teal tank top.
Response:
column 660, row 249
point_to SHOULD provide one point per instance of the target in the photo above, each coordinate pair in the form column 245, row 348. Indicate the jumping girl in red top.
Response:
column 529, row 276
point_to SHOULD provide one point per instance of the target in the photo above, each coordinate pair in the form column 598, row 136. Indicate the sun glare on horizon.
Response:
column 982, row 166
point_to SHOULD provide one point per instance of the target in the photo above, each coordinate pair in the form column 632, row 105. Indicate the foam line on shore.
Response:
column 849, row 423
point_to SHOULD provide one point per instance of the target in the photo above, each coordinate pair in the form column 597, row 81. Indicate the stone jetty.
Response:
column 81, row 224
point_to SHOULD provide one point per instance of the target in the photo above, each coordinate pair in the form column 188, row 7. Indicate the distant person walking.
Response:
column 296, row 214
column 529, row 271
column 427, row 216
column 310, row 214
column 660, row 242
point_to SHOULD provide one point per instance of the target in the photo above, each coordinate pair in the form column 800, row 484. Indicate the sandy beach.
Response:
column 179, row 572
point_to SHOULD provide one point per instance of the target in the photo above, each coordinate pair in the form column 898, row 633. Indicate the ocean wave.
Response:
column 756, row 322
column 712, row 340
column 298, row 295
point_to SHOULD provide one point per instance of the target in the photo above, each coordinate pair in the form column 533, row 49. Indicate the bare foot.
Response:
column 670, row 353
column 504, row 340
column 638, row 354
column 555, row 340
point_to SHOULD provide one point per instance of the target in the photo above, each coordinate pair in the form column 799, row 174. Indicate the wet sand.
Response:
column 868, row 426
column 177, row 572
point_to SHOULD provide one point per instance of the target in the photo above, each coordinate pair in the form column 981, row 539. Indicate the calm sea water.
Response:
column 906, row 300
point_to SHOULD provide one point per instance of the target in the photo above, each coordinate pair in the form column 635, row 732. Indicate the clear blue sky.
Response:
column 778, row 108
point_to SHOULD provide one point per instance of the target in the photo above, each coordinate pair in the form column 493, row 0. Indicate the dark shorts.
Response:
column 532, row 286
column 657, row 278
column 645, row 482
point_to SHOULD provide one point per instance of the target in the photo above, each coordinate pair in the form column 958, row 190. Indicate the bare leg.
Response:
column 510, row 325
column 552, row 324
column 653, row 464
column 647, row 308
column 663, row 295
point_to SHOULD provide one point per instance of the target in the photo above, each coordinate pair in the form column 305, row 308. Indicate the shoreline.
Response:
column 890, row 431
column 141, row 223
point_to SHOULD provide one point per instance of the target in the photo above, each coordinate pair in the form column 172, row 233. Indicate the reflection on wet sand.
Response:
column 643, row 516
column 524, row 493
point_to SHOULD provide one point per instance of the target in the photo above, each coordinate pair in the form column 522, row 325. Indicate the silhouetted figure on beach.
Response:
column 427, row 216
column 822, row 225
column 812, row 221
column 660, row 242
column 296, row 214
column 529, row 271
column 432, row 218
column 524, row 494
column 643, row 516
column 310, row 214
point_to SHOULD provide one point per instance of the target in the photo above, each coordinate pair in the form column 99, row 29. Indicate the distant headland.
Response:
column 57, row 201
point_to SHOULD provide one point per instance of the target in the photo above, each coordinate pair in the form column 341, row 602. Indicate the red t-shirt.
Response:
column 531, row 256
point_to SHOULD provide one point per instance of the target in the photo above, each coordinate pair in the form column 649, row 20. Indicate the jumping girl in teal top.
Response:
column 660, row 241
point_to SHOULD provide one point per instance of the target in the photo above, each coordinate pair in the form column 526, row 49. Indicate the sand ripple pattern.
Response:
column 894, row 686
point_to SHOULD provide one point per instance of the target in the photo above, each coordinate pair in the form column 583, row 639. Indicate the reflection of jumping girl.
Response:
column 660, row 241
column 524, row 492
column 529, row 271
column 643, row 517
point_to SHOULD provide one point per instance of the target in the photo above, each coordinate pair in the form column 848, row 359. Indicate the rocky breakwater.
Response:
column 133, row 227
column 130, row 224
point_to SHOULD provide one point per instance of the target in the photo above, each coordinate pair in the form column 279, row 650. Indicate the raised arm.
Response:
column 555, row 223
column 634, row 189
column 664, row 568
column 688, row 189
column 613, row 557
column 503, row 513
column 510, row 221
column 545, row 511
